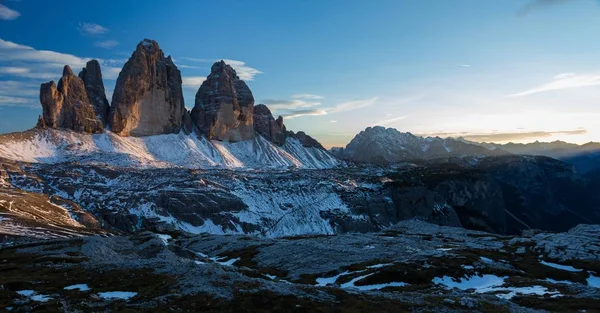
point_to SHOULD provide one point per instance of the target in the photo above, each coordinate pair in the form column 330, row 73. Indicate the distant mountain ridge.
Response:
column 584, row 157
column 387, row 145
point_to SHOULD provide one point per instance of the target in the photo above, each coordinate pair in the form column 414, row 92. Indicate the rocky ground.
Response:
column 410, row 267
column 502, row 195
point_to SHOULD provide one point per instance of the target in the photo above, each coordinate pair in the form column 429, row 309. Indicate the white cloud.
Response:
column 306, row 113
column 562, row 82
column 307, row 96
column 193, row 82
column 106, row 44
column 464, row 65
column 45, row 64
column 333, row 121
column 109, row 72
column 243, row 71
column 7, row 101
column 299, row 107
column 8, row 14
column 389, row 121
column 10, row 51
column 91, row 29
column 290, row 105
column 197, row 60
column 13, row 70
column 564, row 75
column 352, row 105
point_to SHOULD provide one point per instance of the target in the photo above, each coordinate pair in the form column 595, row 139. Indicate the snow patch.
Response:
column 561, row 267
column 593, row 281
column 492, row 283
column 31, row 294
column 117, row 295
column 80, row 287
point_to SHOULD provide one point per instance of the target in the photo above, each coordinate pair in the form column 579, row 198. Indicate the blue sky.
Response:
column 494, row 70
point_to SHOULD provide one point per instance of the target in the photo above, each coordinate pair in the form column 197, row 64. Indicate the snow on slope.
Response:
column 170, row 150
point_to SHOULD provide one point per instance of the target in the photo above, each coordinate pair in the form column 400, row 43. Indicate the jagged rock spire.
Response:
column 91, row 75
column 148, row 97
column 224, row 106
column 67, row 105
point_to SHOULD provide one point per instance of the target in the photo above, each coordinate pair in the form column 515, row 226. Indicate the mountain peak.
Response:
column 67, row 71
column 148, row 45
column 224, row 106
column 148, row 97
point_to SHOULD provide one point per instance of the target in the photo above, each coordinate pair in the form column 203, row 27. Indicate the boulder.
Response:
column 224, row 106
column 67, row 105
column 148, row 97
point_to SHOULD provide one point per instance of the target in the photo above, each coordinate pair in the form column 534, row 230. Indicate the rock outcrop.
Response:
column 267, row 126
column 305, row 140
column 92, row 79
column 67, row 105
column 148, row 98
column 224, row 106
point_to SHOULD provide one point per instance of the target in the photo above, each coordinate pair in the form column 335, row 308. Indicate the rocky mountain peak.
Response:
column 388, row 145
column 148, row 45
column 148, row 97
column 266, row 125
column 67, row 105
column 224, row 106
column 67, row 71
column 91, row 75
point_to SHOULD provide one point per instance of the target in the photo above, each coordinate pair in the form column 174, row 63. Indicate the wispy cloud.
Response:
column 464, row 65
column 312, row 106
column 244, row 71
column 24, row 61
column 299, row 113
column 290, row 105
column 106, row 44
column 199, row 60
column 19, row 93
column 352, row 105
column 8, row 14
column 535, row 5
column 389, row 121
column 307, row 96
column 19, row 88
column 91, row 29
column 193, row 82
column 16, row 101
column 509, row 136
column 13, row 70
column 561, row 82
column 10, row 51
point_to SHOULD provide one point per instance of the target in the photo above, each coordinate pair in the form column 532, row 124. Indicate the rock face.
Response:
column 92, row 79
column 148, row 99
column 266, row 125
column 68, row 105
column 224, row 106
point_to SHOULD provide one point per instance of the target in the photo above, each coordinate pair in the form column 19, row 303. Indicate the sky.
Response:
column 494, row 70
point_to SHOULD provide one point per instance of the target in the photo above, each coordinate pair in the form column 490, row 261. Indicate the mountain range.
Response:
column 387, row 145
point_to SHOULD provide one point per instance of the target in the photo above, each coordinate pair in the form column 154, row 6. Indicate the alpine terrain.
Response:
column 137, row 204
